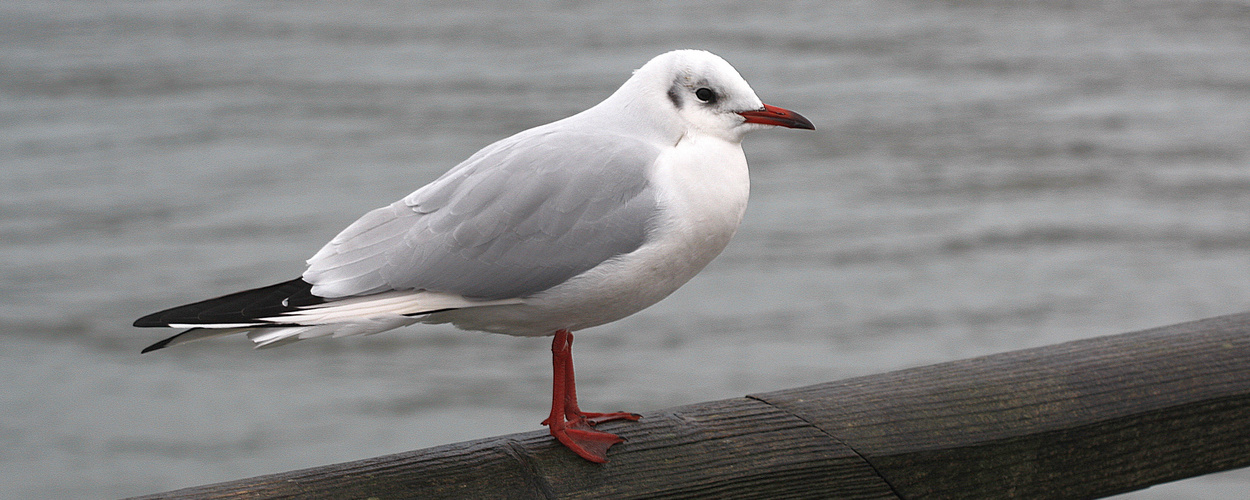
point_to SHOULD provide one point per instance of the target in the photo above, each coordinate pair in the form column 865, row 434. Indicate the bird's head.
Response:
column 695, row 90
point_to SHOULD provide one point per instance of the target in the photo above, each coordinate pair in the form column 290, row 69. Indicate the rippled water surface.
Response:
column 986, row 176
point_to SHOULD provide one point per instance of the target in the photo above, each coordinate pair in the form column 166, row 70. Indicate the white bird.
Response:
column 559, row 228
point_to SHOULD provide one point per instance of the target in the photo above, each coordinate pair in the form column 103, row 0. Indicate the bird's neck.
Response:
column 632, row 110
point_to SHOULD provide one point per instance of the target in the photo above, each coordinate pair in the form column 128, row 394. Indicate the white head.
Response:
column 694, row 90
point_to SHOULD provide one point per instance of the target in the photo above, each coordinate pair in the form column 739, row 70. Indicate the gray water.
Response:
column 986, row 176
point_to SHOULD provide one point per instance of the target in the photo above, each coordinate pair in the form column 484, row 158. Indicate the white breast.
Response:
column 703, row 187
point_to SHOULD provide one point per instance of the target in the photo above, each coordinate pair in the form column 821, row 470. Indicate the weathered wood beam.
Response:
column 1082, row 419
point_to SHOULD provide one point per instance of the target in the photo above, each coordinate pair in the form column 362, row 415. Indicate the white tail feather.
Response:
column 393, row 303
column 267, row 337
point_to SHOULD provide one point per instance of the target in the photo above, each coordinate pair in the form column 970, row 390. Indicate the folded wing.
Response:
column 521, row 216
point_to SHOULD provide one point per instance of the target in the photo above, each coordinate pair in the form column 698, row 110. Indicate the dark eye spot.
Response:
column 706, row 95
column 674, row 97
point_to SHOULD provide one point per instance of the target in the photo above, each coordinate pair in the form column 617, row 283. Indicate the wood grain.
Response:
column 1082, row 419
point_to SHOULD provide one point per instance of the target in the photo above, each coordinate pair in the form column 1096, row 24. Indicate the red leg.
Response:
column 568, row 424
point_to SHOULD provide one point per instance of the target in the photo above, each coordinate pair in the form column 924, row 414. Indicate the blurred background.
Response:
column 987, row 176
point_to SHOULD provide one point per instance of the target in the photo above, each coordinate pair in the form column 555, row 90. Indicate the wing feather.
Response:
column 518, row 217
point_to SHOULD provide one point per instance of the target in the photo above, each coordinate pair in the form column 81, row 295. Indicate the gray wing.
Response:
column 520, row 216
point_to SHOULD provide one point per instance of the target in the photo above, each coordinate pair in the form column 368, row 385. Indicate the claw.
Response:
column 599, row 418
column 586, row 442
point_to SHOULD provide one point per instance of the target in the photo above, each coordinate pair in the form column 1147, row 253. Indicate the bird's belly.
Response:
column 702, row 189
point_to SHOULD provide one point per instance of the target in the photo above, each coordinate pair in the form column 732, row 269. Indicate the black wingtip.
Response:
column 150, row 321
column 160, row 345
column 156, row 346
column 164, row 343
column 239, row 307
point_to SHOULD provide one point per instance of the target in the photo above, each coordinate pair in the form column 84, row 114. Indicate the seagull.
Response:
column 559, row 228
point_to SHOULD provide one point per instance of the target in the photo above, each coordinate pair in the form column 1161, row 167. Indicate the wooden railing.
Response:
column 1082, row 419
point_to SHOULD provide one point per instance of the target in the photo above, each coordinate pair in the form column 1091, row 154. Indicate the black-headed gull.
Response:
column 561, row 227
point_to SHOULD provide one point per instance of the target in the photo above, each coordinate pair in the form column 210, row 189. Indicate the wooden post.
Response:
column 1082, row 419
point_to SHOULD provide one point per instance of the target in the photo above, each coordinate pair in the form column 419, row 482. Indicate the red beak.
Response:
column 781, row 117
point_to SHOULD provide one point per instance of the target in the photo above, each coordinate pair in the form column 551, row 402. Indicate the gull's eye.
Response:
column 706, row 95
